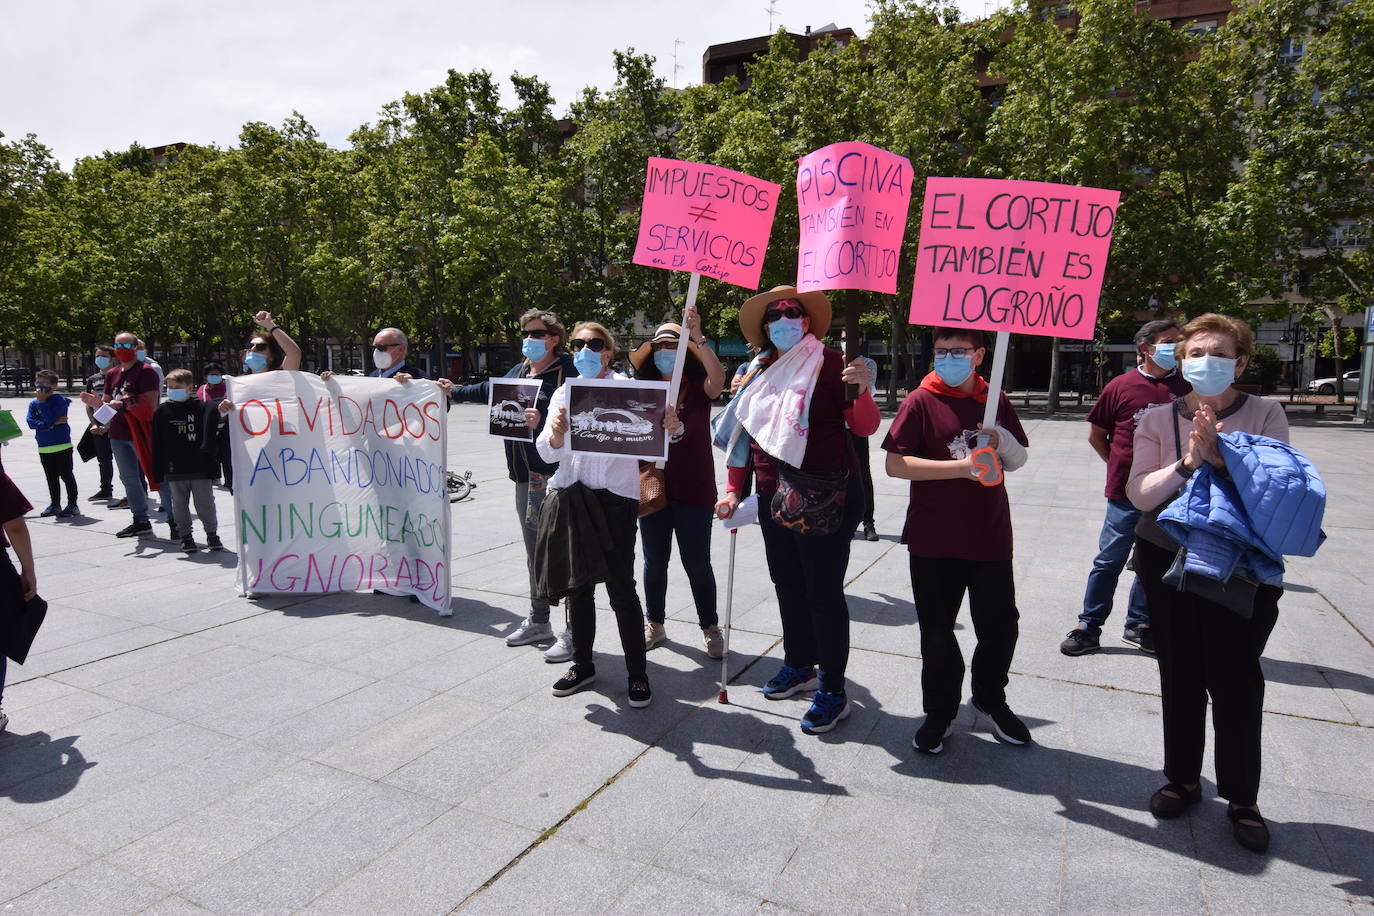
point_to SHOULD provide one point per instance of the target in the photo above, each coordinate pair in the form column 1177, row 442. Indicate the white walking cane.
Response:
column 746, row 513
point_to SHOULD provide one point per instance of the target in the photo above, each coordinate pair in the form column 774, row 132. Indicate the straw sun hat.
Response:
column 817, row 308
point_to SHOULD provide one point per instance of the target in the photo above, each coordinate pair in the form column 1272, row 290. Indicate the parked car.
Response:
column 1328, row 385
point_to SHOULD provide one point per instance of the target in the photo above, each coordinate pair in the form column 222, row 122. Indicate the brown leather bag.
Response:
column 653, row 488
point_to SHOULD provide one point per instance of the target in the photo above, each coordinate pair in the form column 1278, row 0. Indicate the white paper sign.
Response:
column 746, row 513
column 104, row 414
column 339, row 486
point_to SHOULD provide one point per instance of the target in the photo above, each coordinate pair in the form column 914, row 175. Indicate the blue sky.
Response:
column 90, row 75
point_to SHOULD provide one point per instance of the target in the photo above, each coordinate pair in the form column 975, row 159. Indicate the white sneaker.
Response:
column 530, row 632
column 4, row 720
column 561, row 650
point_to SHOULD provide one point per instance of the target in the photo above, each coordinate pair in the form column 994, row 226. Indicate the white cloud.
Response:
column 87, row 76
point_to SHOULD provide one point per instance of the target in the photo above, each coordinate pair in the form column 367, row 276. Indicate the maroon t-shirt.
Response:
column 1122, row 402
column 952, row 519
column 828, row 449
column 12, row 504
column 137, row 379
column 691, row 468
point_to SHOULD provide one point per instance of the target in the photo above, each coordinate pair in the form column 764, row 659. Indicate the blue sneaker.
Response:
column 827, row 709
column 69, row 512
column 790, row 680
column 51, row 510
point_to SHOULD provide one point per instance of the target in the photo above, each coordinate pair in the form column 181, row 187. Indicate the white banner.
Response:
column 339, row 485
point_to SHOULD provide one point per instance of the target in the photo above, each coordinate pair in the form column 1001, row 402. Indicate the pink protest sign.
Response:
column 852, row 200
column 706, row 220
column 1022, row 256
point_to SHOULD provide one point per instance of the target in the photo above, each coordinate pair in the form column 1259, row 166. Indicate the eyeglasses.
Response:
column 45, row 388
column 787, row 311
column 956, row 352
column 596, row 344
column 537, row 333
column 125, row 346
column 378, row 346
column 260, row 347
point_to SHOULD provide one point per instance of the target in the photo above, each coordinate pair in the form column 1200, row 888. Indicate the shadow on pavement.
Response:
column 38, row 768
column 890, row 612
column 1301, row 674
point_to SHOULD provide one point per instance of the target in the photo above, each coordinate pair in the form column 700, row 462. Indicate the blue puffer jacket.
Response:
column 1270, row 507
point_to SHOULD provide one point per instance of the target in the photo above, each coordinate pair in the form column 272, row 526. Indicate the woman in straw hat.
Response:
column 690, row 481
column 791, row 418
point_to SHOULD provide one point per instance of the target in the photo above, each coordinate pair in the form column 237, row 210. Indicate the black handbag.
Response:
column 810, row 503
column 20, row 619
column 85, row 446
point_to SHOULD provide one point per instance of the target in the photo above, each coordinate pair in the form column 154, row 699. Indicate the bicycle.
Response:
column 459, row 487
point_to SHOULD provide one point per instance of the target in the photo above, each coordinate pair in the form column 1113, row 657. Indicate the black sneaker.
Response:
column 99, row 496
column 1141, row 638
column 189, row 545
column 212, row 542
column 930, row 736
column 574, row 681
column 135, row 528
column 173, row 534
column 1005, row 726
column 1079, row 642
column 640, row 694
column 118, row 504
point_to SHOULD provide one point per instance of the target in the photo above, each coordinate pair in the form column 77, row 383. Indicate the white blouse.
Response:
column 597, row 472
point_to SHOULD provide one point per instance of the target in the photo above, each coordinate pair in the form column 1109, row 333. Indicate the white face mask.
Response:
column 381, row 358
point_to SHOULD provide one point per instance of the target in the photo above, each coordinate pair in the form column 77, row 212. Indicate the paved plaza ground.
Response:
column 174, row 747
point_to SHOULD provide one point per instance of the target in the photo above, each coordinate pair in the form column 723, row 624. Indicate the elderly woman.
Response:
column 1204, row 648
column 612, row 482
column 793, row 412
column 689, row 478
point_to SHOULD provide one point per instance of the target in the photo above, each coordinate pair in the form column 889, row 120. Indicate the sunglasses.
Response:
column 260, row 347
column 596, row 344
column 538, row 334
column 787, row 311
column 665, row 345
column 120, row 346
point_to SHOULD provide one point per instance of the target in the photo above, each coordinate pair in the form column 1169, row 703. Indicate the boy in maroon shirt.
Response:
column 1113, row 418
column 958, row 532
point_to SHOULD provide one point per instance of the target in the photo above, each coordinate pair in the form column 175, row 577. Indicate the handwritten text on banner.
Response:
column 1022, row 256
column 706, row 220
column 852, row 201
column 339, row 486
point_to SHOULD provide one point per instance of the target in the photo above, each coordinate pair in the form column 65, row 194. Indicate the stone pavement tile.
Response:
column 974, row 867
column 522, row 682
column 338, row 720
column 414, row 648
column 1117, row 724
column 857, row 855
column 292, row 869
column 460, row 665
column 489, row 744
column 33, row 858
column 173, row 905
column 62, row 712
column 184, row 852
column 558, row 876
column 1114, row 862
column 128, row 814
column 433, row 870
column 1345, row 827
column 95, row 886
column 755, row 831
column 142, row 665
column 23, row 694
column 1306, row 750
column 162, row 604
column 660, row 890
column 79, row 626
column 1245, row 898
column 80, row 779
column 409, row 736
column 90, row 650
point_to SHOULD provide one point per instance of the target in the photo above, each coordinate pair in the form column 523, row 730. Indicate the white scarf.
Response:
column 775, row 408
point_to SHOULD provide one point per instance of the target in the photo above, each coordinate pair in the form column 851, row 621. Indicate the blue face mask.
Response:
column 140, row 354
column 1209, row 375
column 953, row 370
column 255, row 361
column 664, row 361
column 177, row 394
column 786, row 333
column 534, row 350
column 102, row 363
column 214, row 379
column 588, row 362
column 1164, row 356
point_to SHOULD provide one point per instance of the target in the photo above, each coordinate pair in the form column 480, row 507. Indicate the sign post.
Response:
column 1011, row 256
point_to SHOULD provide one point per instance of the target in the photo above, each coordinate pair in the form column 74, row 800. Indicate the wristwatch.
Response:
column 1183, row 471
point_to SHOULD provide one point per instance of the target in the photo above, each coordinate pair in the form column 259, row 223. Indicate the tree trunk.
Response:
column 1052, row 403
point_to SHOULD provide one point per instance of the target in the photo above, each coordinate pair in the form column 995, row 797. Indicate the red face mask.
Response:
column 125, row 354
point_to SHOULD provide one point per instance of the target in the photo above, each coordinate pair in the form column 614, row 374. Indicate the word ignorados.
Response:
column 352, row 467
column 343, row 416
column 353, row 572
column 285, row 522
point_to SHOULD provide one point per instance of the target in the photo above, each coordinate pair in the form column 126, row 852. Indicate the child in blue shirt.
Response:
column 48, row 419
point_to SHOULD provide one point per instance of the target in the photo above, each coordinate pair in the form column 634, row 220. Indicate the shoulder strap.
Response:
column 1173, row 421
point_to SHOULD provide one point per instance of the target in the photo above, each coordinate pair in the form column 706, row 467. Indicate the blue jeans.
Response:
column 693, row 529
column 1113, row 549
column 131, row 475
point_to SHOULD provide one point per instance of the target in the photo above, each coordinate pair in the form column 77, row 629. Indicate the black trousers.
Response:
column 865, row 471
column 1206, row 650
column 808, row 574
column 57, row 467
column 938, row 586
column 104, row 459
column 622, row 518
